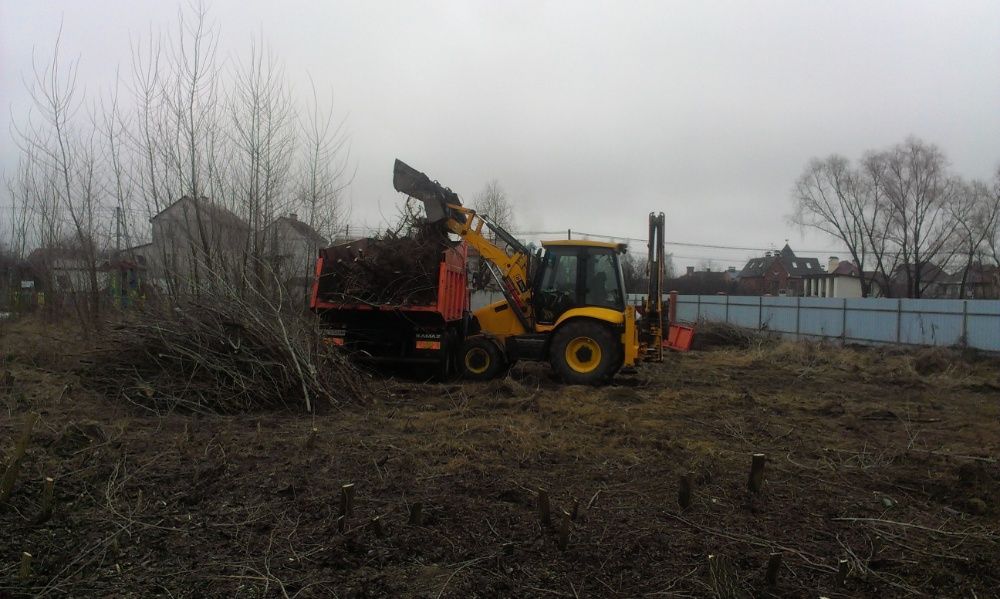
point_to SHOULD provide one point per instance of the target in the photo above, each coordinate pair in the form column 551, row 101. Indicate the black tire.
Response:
column 481, row 359
column 586, row 352
column 446, row 367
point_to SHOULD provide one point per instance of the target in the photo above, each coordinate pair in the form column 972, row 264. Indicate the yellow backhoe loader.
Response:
column 565, row 304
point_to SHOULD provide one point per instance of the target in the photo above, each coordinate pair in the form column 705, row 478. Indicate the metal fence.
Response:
column 972, row 323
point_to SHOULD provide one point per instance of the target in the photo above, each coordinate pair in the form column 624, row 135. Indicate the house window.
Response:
column 809, row 265
column 795, row 264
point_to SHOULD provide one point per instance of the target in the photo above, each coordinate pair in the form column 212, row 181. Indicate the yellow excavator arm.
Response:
column 510, row 267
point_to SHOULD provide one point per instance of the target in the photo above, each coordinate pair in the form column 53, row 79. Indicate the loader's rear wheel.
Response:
column 481, row 359
column 586, row 353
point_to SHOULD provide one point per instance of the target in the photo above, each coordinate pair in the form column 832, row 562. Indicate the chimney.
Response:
column 293, row 216
column 833, row 264
column 690, row 271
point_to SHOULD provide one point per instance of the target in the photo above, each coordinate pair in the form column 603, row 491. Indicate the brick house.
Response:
column 777, row 273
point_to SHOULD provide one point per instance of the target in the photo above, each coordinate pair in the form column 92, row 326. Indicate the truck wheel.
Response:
column 481, row 359
column 586, row 353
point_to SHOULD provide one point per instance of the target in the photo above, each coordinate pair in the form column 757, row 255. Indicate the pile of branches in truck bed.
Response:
column 221, row 355
column 395, row 268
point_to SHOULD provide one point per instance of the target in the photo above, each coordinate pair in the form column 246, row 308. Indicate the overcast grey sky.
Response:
column 592, row 114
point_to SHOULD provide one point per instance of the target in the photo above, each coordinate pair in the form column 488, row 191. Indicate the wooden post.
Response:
column 376, row 525
column 48, row 493
column 575, row 514
column 544, row 515
column 10, row 475
column 686, row 491
column 347, row 500
column 25, row 572
column 564, row 531
column 773, row 568
column 341, row 524
column 416, row 514
column 756, row 481
column 843, row 568
column 311, row 439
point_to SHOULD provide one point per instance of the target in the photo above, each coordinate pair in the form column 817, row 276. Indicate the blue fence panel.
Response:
column 745, row 311
column 983, row 324
column 821, row 317
column 930, row 322
column 871, row 319
column 687, row 308
column 713, row 307
column 779, row 314
column 858, row 320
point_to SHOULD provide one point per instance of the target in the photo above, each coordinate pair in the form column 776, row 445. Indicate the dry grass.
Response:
column 859, row 445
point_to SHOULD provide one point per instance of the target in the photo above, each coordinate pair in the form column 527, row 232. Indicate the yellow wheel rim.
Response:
column 477, row 360
column 583, row 354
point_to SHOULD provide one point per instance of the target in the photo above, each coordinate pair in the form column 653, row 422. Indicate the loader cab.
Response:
column 576, row 274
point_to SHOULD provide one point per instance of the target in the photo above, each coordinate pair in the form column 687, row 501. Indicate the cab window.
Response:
column 602, row 283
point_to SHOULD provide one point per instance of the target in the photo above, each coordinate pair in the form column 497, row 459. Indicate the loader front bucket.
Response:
column 415, row 184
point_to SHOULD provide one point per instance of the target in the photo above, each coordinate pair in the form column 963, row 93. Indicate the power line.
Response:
column 671, row 243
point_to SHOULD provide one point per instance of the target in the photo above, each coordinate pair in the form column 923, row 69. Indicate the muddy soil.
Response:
column 880, row 480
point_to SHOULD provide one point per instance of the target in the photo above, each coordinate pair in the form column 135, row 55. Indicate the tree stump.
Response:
column 685, row 491
column 773, row 568
column 347, row 500
column 544, row 513
column 756, row 480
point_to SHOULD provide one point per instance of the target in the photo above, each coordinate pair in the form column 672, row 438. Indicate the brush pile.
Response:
column 221, row 356
column 396, row 268
column 720, row 334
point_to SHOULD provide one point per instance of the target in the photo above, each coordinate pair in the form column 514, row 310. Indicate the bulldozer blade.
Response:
column 415, row 184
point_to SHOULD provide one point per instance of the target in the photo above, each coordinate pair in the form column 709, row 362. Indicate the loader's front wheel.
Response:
column 481, row 359
column 586, row 353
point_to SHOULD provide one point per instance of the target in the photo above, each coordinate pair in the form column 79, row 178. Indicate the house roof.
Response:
column 979, row 274
column 214, row 211
column 846, row 269
column 794, row 265
column 303, row 229
column 756, row 267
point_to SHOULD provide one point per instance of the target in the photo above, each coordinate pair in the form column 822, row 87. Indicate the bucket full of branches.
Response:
column 398, row 267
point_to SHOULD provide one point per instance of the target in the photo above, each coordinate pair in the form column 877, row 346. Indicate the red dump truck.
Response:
column 418, row 332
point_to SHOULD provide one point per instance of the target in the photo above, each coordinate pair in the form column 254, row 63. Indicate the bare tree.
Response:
column 222, row 140
column 323, row 174
column 891, row 212
column 975, row 209
column 831, row 196
column 919, row 189
column 494, row 203
column 62, row 147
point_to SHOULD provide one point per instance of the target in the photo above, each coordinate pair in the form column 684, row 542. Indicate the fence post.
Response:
column 899, row 319
column 798, row 311
column 843, row 323
column 697, row 311
column 727, row 308
column 760, row 312
column 965, row 323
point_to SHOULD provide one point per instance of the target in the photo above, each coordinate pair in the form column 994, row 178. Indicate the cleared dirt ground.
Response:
column 882, row 458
